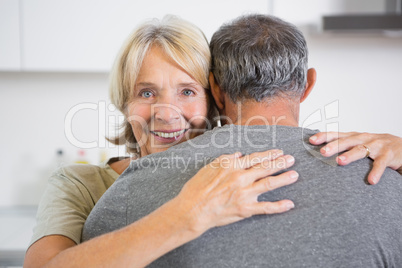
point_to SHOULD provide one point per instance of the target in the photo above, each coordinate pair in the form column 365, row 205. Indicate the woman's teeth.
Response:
column 168, row 135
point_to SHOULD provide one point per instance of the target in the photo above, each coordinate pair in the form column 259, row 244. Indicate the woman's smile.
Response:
column 169, row 136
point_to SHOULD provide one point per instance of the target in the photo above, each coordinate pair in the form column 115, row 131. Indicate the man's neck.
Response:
column 279, row 111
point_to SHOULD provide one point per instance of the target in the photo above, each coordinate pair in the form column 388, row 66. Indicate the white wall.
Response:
column 360, row 73
column 33, row 108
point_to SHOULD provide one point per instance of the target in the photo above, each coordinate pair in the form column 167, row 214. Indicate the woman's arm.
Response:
column 385, row 150
column 223, row 192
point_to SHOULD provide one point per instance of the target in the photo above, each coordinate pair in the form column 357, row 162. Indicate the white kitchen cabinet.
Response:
column 9, row 35
column 76, row 35
column 310, row 12
column 16, row 232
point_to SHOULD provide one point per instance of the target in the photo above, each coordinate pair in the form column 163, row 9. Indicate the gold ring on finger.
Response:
column 367, row 149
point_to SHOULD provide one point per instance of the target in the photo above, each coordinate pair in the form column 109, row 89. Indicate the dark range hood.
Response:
column 391, row 20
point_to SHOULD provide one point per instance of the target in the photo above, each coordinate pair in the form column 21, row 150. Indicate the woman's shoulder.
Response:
column 87, row 175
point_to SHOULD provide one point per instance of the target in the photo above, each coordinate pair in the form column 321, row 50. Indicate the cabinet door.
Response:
column 9, row 35
column 75, row 35
column 310, row 12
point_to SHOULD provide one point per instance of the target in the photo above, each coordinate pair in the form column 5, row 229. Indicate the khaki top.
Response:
column 70, row 195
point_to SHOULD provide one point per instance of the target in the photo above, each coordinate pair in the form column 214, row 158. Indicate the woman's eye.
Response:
column 146, row 94
column 188, row 92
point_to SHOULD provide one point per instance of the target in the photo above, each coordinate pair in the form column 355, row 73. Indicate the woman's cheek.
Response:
column 196, row 114
column 139, row 117
column 140, row 111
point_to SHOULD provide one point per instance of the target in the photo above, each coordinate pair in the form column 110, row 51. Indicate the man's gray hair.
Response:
column 259, row 56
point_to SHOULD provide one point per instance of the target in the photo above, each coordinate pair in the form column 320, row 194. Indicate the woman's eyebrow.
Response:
column 188, row 84
column 183, row 84
column 145, row 84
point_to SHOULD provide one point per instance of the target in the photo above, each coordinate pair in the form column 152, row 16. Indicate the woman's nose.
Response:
column 167, row 113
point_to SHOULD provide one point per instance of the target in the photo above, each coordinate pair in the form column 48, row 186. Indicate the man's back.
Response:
column 338, row 221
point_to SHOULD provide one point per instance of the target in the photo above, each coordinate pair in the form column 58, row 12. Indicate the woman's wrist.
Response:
column 181, row 215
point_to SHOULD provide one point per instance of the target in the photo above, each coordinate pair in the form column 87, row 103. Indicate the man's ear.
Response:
column 216, row 92
column 311, row 79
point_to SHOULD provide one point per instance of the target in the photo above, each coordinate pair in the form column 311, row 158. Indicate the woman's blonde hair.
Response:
column 182, row 41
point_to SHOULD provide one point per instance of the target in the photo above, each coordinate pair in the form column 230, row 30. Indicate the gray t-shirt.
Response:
column 339, row 220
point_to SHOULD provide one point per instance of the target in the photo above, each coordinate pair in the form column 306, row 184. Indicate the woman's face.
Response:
column 168, row 105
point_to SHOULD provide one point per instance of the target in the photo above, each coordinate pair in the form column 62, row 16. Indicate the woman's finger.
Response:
column 267, row 168
column 356, row 153
column 274, row 182
column 342, row 145
column 359, row 152
column 325, row 137
column 379, row 166
column 224, row 161
column 258, row 157
column 271, row 207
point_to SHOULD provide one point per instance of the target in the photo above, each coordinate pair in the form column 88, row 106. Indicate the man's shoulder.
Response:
column 224, row 140
column 231, row 138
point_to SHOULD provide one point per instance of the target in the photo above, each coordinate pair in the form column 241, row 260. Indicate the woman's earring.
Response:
column 137, row 147
column 218, row 122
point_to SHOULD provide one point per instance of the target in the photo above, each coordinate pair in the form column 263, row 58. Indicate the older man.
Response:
column 259, row 79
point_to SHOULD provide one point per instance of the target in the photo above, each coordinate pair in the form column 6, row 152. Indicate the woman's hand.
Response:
column 226, row 190
column 222, row 192
column 385, row 150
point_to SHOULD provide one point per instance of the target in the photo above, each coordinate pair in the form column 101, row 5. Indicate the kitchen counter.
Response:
column 16, row 224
